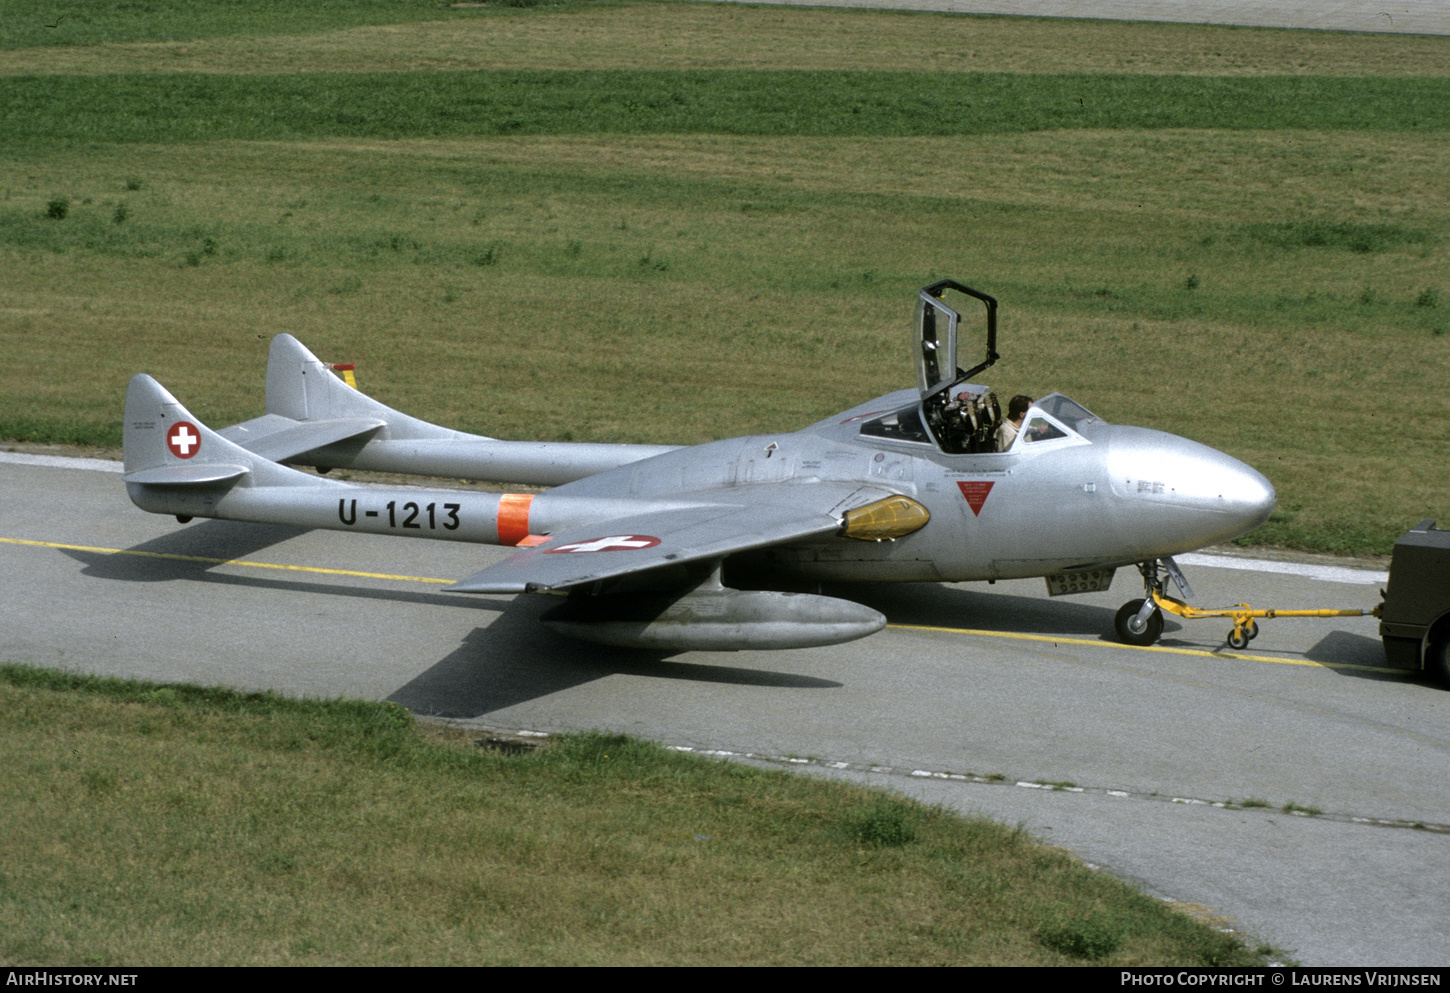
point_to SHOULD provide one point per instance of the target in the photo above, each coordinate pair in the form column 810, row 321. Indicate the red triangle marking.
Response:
column 976, row 493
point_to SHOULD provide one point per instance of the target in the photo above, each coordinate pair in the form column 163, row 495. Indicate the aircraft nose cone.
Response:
column 1247, row 495
column 1238, row 493
column 1194, row 493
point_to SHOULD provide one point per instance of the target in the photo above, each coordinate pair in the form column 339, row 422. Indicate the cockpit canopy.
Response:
column 970, row 423
column 899, row 425
column 964, row 420
column 958, row 417
column 938, row 320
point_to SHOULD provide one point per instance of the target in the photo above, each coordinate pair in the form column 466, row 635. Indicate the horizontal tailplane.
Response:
column 174, row 464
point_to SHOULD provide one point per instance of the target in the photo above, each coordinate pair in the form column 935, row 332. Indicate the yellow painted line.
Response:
column 241, row 562
column 1196, row 652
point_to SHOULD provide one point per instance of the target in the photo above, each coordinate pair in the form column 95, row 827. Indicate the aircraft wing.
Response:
column 674, row 536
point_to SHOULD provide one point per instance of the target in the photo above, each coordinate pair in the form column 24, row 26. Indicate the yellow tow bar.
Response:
column 1245, row 628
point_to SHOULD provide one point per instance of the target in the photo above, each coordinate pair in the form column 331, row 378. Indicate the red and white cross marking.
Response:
column 613, row 543
column 183, row 439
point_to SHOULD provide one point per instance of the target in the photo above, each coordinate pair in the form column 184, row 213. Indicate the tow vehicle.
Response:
column 1415, row 614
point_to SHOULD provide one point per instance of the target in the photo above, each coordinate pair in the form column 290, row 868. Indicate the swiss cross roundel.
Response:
column 612, row 543
column 183, row 439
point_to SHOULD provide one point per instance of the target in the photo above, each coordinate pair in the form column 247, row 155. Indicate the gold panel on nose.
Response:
column 892, row 517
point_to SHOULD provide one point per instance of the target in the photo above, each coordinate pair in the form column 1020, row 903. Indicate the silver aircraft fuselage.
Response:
column 697, row 547
column 1092, row 495
column 1098, row 495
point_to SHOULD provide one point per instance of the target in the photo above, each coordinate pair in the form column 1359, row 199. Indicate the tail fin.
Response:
column 302, row 387
column 298, row 383
column 163, row 444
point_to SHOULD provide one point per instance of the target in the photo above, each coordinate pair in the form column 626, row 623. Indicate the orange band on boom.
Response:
column 513, row 517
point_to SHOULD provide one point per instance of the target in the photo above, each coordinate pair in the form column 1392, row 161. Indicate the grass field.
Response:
column 179, row 825
column 674, row 222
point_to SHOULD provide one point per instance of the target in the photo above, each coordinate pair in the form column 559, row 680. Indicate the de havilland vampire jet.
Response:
column 700, row 547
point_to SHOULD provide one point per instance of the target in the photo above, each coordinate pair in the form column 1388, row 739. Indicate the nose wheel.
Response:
column 1135, row 629
column 1140, row 622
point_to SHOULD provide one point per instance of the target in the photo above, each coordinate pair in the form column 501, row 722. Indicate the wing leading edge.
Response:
column 754, row 517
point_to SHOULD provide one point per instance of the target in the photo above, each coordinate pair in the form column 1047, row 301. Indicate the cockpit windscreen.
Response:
column 1067, row 411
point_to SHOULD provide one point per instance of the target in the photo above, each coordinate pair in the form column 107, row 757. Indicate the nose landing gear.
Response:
column 1140, row 622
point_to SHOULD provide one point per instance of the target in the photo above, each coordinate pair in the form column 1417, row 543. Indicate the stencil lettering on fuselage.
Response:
column 976, row 491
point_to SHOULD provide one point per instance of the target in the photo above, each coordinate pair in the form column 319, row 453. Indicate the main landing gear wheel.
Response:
column 1146, row 632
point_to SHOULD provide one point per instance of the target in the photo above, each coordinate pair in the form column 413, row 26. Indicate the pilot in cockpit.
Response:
column 1016, row 411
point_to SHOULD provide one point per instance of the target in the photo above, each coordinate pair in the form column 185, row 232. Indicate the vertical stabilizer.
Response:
column 297, row 380
column 150, row 413
column 301, row 386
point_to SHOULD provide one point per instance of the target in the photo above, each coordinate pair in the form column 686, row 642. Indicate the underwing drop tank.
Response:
column 713, row 620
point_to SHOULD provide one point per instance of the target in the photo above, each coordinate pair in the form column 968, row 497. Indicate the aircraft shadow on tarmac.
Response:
column 515, row 660
column 163, row 558
column 193, row 553
column 934, row 605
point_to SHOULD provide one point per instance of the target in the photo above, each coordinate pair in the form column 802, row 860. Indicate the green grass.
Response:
column 419, row 259
column 1362, row 238
column 163, row 825
column 208, row 107
column 45, row 23
column 407, row 35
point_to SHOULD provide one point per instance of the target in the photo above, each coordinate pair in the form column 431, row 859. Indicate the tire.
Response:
column 1252, row 630
column 1238, row 641
column 1151, row 630
column 1437, row 659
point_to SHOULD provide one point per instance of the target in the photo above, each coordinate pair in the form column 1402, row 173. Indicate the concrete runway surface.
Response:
column 970, row 681
column 1430, row 17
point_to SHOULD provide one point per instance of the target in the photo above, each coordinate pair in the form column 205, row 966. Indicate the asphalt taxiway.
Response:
column 1298, row 789
column 1424, row 17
